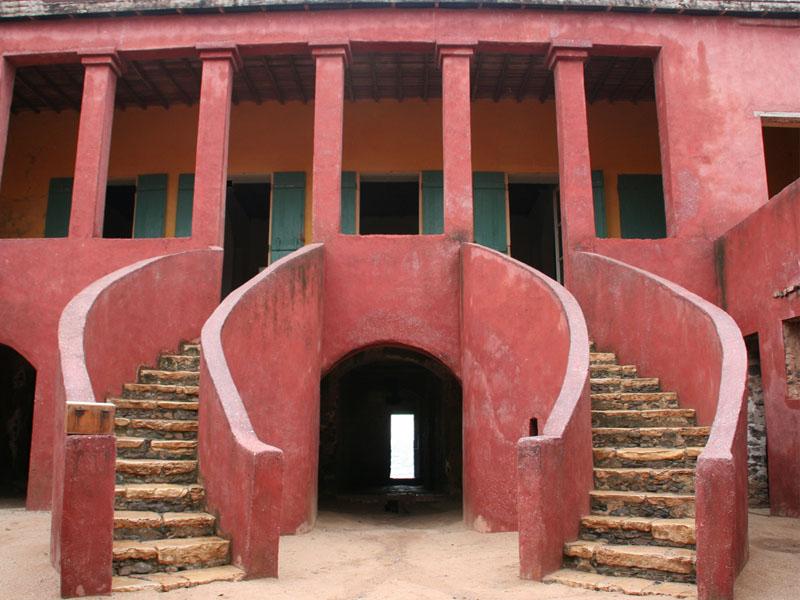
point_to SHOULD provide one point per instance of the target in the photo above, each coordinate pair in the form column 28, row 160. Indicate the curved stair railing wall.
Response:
column 105, row 333
column 525, row 355
column 263, row 340
column 697, row 350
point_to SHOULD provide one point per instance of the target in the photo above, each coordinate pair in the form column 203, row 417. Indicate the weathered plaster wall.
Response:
column 751, row 279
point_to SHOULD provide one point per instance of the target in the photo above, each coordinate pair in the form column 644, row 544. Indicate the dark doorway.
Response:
column 534, row 226
column 246, row 233
column 120, row 206
column 389, row 207
column 17, row 388
column 758, row 474
column 367, row 396
column 781, row 156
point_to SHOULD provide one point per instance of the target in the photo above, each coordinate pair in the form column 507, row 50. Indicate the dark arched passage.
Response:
column 17, row 388
column 359, row 398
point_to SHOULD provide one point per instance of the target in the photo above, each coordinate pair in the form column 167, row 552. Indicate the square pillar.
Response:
column 454, row 62
column 7, row 72
column 211, row 159
column 566, row 59
column 101, row 70
column 326, row 214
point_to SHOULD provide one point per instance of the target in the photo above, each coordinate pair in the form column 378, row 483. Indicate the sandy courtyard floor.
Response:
column 387, row 557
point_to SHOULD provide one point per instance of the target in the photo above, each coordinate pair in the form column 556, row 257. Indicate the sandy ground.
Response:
column 382, row 556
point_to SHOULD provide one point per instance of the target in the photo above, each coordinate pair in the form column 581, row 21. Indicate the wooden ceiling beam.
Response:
column 186, row 96
column 250, row 85
column 36, row 93
column 474, row 92
column 601, row 81
column 136, row 97
column 71, row 102
column 398, row 70
column 150, row 85
column 273, row 80
column 615, row 94
column 297, row 79
column 548, row 82
column 501, row 80
column 523, row 85
column 375, row 93
column 426, row 79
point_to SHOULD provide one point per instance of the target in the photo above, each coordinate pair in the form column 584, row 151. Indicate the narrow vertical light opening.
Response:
column 402, row 446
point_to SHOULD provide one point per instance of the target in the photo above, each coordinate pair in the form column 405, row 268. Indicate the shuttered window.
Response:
column 432, row 202
column 59, row 204
column 349, row 205
column 151, row 206
column 599, row 195
column 183, row 216
column 288, row 213
column 489, row 210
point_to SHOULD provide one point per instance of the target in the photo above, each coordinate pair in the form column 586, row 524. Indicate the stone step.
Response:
column 655, row 458
column 649, row 437
column 605, row 371
column 159, row 497
column 165, row 582
column 164, row 429
column 191, row 348
column 169, row 377
column 675, row 481
column 139, row 447
column 665, row 417
column 634, row 400
column 625, row 384
column 626, row 585
column 639, row 530
column 150, row 408
column 160, row 392
column 136, row 470
column 602, row 358
column 179, row 362
column 133, row 557
column 662, row 505
column 149, row 525
column 648, row 562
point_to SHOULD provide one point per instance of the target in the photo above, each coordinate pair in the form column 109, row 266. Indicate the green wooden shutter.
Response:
column 489, row 210
column 288, row 213
column 349, row 202
column 599, row 194
column 183, row 216
column 641, row 206
column 151, row 206
column 432, row 202
column 59, row 204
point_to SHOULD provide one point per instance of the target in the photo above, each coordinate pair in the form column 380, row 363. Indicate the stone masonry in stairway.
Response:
column 640, row 536
column 163, row 539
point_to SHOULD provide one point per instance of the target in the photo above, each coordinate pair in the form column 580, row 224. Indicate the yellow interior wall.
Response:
column 379, row 137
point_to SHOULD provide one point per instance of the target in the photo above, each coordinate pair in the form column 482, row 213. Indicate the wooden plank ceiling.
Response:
column 373, row 76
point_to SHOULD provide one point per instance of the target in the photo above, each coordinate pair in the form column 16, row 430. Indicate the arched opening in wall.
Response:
column 390, row 434
column 17, row 387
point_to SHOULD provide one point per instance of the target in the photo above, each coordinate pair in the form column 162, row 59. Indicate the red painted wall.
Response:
column 695, row 349
column 516, row 338
column 105, row 333
column 760, row 257
column 37, row 280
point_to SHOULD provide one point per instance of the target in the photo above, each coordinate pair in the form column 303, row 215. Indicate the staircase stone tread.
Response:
column 157, row 424
column 182, row 579
column 634, row 523
column 602, row 358
column 681, row 429
column 154, row 404
column 634, row 395
column 623, row 494
column 156, row 549
column 130, row 442
column 645, row 454
column 649, row 380
column 152, row 520
column 654, row 470
column 650, row 412
column 656, row 558
column 162, row 388
column 633, row 586
column 151, row 466
column 160, row 491
column 167, row 373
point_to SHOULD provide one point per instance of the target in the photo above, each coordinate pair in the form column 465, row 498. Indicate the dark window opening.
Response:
column 120, row 206
column 390, row 428
column 389, row 207
column 642, row 213
column 781, row 156
column 758, row 476
column 535, row 235
column 533, row 427
column 17, row 388
column 246, row 233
